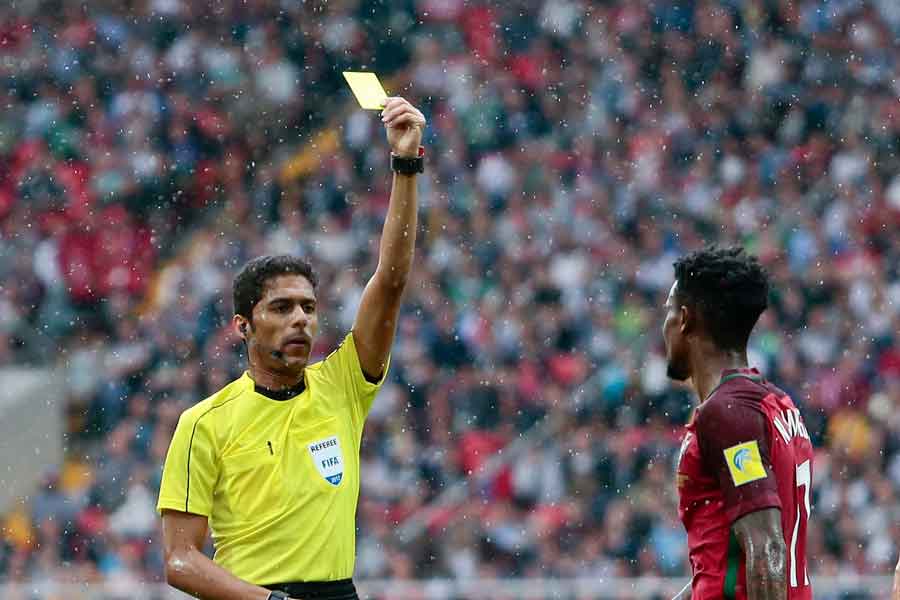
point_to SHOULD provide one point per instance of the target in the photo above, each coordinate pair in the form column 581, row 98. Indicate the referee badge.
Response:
column 326, row 455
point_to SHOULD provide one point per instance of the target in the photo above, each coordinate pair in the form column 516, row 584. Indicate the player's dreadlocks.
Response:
column 728, row 287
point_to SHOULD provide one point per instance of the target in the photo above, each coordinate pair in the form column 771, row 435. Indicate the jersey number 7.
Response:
column 803, row 480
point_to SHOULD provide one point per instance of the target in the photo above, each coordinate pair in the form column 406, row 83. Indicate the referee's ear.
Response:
column 242, row 326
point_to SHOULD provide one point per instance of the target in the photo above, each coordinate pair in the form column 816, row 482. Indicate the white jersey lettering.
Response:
column 790, row 425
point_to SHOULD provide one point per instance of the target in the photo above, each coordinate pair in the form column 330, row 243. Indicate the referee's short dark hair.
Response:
column 729, row 287
column 250, row 283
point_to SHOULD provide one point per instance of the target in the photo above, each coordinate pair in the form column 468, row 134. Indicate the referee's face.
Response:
column 285, row 322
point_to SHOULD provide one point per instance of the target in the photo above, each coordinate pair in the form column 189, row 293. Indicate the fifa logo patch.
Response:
column 745, row 463
column 326, row 455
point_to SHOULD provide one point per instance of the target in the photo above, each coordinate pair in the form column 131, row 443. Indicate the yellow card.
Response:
column 367, row 89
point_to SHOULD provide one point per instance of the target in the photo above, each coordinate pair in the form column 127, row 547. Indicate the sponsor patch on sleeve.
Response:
column 745, row 463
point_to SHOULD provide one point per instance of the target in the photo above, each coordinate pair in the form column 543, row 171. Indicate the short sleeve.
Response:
column 343, row 366
column 190, row 472
column 734, row 445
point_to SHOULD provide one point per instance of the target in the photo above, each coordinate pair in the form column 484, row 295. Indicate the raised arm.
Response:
column 376, row 320
column 759, row 535
column 191, row 571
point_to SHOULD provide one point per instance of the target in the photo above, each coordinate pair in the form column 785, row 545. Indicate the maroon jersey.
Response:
column 745, row 449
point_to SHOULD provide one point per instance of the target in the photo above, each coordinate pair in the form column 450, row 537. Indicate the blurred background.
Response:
column 524, row 444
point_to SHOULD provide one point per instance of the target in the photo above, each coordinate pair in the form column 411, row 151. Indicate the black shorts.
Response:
column 342, row 589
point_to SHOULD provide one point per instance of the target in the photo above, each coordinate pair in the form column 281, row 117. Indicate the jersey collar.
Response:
column 752, row 374
column 277, row 395
column 749, row 373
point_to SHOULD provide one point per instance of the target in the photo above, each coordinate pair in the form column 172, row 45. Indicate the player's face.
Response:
column 285, row 321
column 677, row 363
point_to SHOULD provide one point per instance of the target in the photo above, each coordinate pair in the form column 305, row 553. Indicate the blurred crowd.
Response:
column 575, row 149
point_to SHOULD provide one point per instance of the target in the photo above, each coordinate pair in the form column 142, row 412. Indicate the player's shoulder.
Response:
column 778, row 392
column 227, row 396
column 736, row 399
column 739, row 387
column 752, row 393
column 723, row 402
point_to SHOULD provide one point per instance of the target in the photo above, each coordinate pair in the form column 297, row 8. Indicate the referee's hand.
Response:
column 404, row 124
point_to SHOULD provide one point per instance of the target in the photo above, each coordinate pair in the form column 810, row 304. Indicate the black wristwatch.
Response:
column 408, row 166
column 276, row 595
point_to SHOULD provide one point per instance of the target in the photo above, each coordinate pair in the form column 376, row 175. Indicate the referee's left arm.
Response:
column 379, row 308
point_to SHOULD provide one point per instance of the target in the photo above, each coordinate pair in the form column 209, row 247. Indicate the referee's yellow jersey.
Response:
column 278, row 480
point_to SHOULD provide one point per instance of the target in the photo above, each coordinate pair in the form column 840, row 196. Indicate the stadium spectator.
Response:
column 577, row 148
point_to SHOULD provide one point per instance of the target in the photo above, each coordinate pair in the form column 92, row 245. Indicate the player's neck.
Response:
column 709, row 364
column 274, row 381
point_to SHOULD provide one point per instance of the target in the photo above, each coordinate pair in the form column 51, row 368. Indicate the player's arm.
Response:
column 191, row 571
column 760, row 537
column 379, row 308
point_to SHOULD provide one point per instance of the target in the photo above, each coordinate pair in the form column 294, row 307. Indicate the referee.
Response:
column 270, row 463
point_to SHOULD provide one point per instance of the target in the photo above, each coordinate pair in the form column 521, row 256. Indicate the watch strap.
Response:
column 408, row 165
